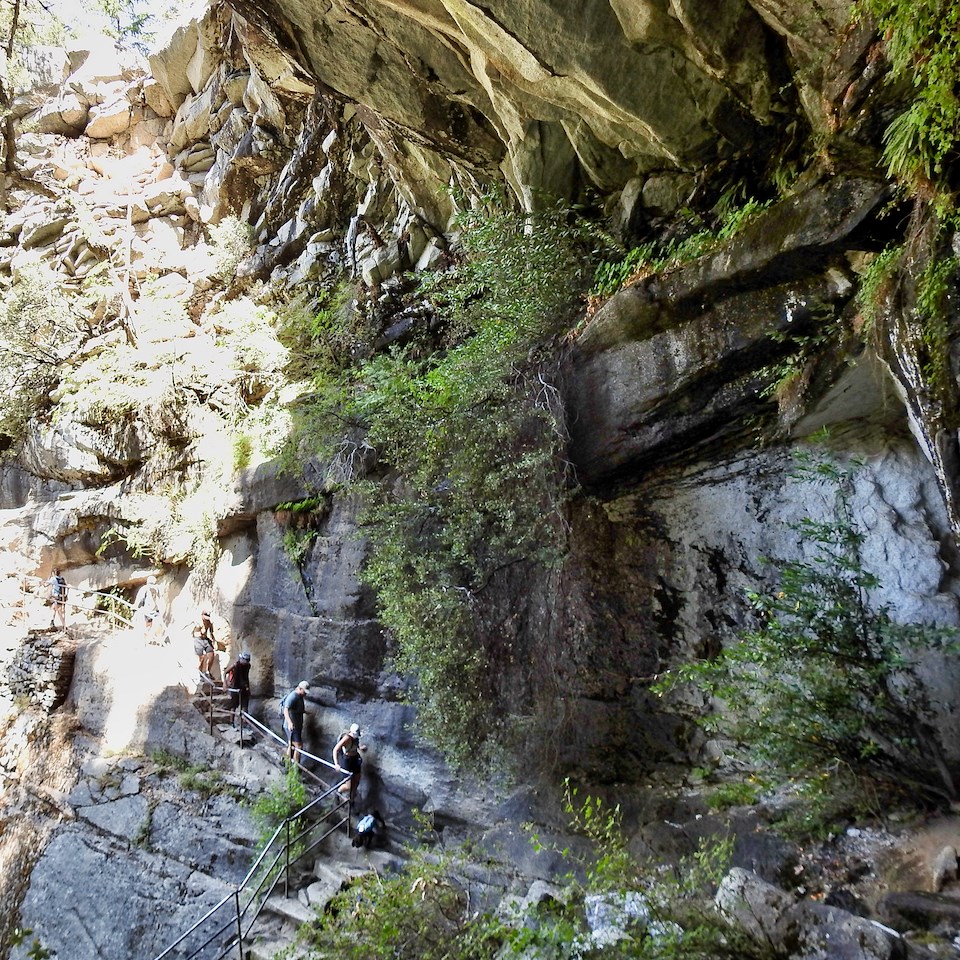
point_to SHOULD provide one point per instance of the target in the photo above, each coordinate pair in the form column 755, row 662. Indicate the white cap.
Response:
column 303, row 685
column 355, row 730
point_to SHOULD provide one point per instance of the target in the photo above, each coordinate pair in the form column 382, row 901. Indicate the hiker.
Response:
column 349, row 746
column 293, row 707
column 203, row 648
column 368, row 829
column 58, row 600
column 148, row 605
column 237, row 682
column 206, row 626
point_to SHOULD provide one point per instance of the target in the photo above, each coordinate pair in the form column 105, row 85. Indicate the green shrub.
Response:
column 924, row 50
column 191, row 776
column 232, row 239
column 242, row 451
column 35, row 950
column 281, row 800
column 37, row 336
column 474, row 435
column 328, row 337
column 729, row 795
column 826, row 680
column 422, row 912
column 167, row 762
column 297, row 544
column 934, row 286
column 875, row 282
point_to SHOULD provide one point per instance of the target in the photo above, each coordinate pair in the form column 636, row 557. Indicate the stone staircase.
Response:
column 209, row 697
column 313, row 883
column 336, row 865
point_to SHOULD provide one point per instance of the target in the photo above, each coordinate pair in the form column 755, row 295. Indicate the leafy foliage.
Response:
column 35, row 950
column 516, row 273
column 329, row 338
column 129, row 21
column 37, row 333
column 825, row 330
column 423, row 912
column 875, row 282
column 826, row 679
column 470, row 437
column 661, row 254
column 231, row 238
column 281, row 800
column 933, row 288
column 742, row 793
column 619, row 908
column 924, row 51
column 476, row 436
column 194, row 777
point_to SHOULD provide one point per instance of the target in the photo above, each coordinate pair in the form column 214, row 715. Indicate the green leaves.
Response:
column 423, row 912
column 283, row 799
column 826, row 677
column 924, row 50
column 621, row 908
column 37, row 336
column 474, row 435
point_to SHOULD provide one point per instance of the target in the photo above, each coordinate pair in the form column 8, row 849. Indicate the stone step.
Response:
column 269, row 949
column 290, row 908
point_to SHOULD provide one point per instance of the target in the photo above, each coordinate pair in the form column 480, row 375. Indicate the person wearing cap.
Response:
column 236, row 681
column 346, row 756
column 294, row 705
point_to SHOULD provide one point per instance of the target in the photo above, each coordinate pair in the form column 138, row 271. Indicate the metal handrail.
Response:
column 26, row 579
column 259, row 883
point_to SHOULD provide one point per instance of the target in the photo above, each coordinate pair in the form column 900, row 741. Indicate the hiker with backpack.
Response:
column 147, row 605
column 346, row 756
column 292, row 709
column 58, row 599
column 369, row 829
column 236, row 681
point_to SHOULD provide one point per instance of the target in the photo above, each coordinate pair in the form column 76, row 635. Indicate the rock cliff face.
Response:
column 333, row 130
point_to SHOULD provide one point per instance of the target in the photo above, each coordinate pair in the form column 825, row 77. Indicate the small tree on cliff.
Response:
column 37, row 335
column 826, row 681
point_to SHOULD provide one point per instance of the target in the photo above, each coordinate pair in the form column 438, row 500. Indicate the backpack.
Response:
column 228, row 677
column 366, row 824
column 58, row 591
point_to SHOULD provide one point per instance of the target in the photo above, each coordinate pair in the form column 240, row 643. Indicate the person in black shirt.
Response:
column 346, row 756
column 237, row 683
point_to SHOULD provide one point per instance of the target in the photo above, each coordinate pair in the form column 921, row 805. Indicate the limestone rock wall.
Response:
column 331, row 132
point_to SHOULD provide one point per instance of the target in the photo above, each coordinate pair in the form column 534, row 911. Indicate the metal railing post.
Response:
column 210, row 703
column 286, row 872
column 74, row 606
column 236, row 901
column 282, row 859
